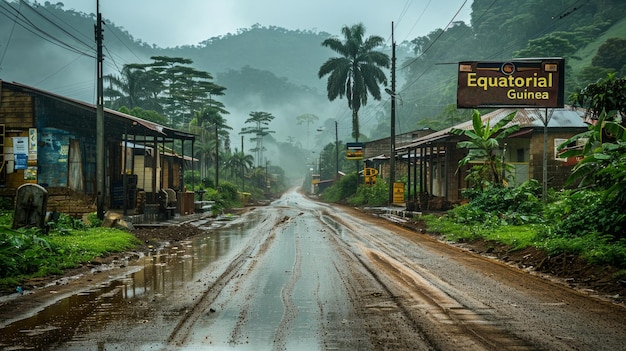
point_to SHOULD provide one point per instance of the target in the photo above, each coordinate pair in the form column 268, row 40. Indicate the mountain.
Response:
column 275, row 70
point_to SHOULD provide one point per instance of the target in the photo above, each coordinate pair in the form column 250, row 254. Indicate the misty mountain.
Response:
column 275, row 70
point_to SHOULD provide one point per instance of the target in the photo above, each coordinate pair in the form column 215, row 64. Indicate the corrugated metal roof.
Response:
column 568, row 117
column 154, row 129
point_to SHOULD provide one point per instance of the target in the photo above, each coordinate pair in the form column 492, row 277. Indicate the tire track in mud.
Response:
column 467, row 327
column 443, row 321
column 388, row 322
column 181, row 331
column 286, row 295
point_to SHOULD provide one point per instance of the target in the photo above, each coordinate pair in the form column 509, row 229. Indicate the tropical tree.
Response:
column 484, row 142
column 309, row 119
column 134, row 87
column 603, row 166
column 259, row 129
column 357, row 72
column 238, row 163
column 148, row 115
column 211, row 128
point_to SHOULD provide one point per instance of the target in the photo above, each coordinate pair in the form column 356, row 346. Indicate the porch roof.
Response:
column 114, row 120
column 568, row 117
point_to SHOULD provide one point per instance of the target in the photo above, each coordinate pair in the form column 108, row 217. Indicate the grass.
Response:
column 516, row 236
column 84, row 245
column 595, row 248
column 26, row 254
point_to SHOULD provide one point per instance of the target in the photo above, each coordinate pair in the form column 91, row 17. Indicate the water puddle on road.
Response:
column 156, row 276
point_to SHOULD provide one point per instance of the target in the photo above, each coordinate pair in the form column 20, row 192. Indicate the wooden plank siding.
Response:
column 61, row 134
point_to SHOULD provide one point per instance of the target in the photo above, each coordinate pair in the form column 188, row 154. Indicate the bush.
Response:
column 583, row 212
column 341, row 190
column 370, row 195
column 517, row 206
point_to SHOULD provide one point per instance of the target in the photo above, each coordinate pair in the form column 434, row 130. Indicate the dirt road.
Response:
column 298, row 275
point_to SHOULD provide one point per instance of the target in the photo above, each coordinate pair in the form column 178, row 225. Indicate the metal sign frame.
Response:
column 521, row 83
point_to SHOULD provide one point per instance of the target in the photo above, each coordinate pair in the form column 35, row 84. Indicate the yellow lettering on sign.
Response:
column 509, row 82
column 527, row 95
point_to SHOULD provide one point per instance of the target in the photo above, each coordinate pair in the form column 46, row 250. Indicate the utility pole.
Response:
column 217, row 156
column 99, row 116
column 392, row 137
column 336, row 153
column 243, row 158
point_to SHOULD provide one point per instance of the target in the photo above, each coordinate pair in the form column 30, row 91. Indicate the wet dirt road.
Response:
column 299, row 275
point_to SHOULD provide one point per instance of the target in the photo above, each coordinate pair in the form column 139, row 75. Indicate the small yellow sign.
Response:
column 370, row 175
column 398, row 193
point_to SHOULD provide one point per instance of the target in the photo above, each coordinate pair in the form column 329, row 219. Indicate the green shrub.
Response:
column 341, row 190
column 582, row 212
column 370, row 195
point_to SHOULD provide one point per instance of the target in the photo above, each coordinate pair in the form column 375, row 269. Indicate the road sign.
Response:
column 398, row 193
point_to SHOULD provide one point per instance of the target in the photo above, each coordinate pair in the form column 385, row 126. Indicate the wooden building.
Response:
column 431, row 162
column 50, row 140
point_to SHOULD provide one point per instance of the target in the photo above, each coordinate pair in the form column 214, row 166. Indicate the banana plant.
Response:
column 484, row 142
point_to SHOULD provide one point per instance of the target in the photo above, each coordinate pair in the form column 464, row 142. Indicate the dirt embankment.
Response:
column 601, row 280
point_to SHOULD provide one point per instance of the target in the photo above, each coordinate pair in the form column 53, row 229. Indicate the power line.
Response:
column 6, row 47
column 89, row 46
column 436, row 39
column 20, row 19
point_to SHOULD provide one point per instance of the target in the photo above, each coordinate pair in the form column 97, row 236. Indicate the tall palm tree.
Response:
column 211, row 128
column 357, row 71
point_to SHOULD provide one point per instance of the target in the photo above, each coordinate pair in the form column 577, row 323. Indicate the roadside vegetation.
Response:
column 30, row 252
column 586, row 219
column 69, row 242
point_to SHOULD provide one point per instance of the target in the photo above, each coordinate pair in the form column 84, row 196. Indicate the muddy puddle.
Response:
column 155, row 276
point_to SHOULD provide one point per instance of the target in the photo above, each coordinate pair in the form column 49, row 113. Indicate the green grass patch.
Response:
column 516, row 236
column 28, row 253
column 83, row 245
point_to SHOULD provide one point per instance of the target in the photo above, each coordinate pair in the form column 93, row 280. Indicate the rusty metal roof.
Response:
column 148, row 128
column 568, row 117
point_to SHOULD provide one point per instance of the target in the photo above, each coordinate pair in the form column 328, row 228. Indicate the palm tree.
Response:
column 135, row 87
column 211, row 127
column 356, row 72
column 238, row 163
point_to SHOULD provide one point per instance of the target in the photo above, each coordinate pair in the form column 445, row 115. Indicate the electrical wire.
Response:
column 87, row 45
column 20, row 19
column 6, row 47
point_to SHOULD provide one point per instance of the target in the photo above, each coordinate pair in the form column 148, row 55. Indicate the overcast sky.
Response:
column 169, row 23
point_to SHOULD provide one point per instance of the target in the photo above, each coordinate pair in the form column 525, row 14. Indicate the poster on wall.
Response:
column 21, row 161
column 20, row 150
column 32, row 142
column 30, row 173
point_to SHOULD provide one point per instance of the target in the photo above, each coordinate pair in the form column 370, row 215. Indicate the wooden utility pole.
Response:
column 99, row 116
column 392, row 136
